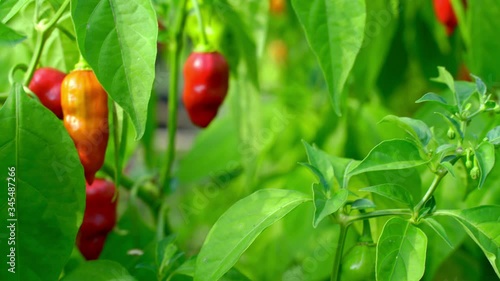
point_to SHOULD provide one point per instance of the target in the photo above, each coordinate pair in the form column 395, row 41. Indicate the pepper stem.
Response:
column 366, row 236
column 82, row 64
column 204, row 46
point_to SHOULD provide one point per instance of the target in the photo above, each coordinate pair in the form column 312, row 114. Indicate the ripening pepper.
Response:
column 85, row 107
column 46, row 84
column 99, row 218
column 446, row 15
column 277, row 7
column 206, row 81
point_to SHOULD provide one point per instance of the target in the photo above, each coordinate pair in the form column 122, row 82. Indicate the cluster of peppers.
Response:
column 79, row 99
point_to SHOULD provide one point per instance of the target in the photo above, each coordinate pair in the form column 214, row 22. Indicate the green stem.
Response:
column 379, row 213
column 116, row 143
column 366, row 236
column 82, row 64
column 430, row 191
column 338, row 254
column 174, row 57
column 66, row 32
column 147, row 192
column 42, row 34
column 204, row 40
column 40, row 42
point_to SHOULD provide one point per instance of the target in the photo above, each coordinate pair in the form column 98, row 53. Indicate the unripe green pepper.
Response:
column 85, row 107
column 358, row 264
column 99, row 218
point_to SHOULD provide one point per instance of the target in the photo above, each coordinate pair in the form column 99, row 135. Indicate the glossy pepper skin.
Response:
column 358, row 264
column 85, row 107
column 446, row 15
column 46, row 84
column 206, row 81
column 99, row 218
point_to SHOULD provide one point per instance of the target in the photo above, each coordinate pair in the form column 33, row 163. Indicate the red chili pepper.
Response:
column 46, row 84
column 99, row 218
column 446, row 15
column 206, row 81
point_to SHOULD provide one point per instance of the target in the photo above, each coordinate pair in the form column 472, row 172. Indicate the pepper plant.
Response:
column 178, row 140
column 402, row 243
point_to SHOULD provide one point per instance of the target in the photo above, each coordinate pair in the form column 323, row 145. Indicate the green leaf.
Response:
column 320, row 165
column 401, row 251
column 392, row 191
column 167, row 254
column 446, row 78
column 239, row 226
column 485, row 156
column 376, row 44
column 464, row 90
column 439, row 229
column 480, row 86
column 449, row 167
column 187, row 268
column 494, row 136
column 416, row 128
column 9, row 8
column 362, row 204
column 481, row 223
column 446, row 148
column 324, row 205
column 49, row 189
column 118, row 40
column 341, row 167
column 433, row 98
column 390, row 155
column 234, row 275
column 335, row 31
column 8, row 36
column 99, row 270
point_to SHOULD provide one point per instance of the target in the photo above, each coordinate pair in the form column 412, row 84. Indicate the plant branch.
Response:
column 378, row 213
column 174, row 58
column 147, row 192
column 430, row 191
column 43, row 32
column 338, row 254
column 204, row 40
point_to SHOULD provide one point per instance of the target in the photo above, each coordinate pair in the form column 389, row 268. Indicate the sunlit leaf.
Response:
column 401, row 251
column 118, row 40
column 481, row 223
column 325, row 205
column 246, row 220
column 390, row 155
column 335, row 31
